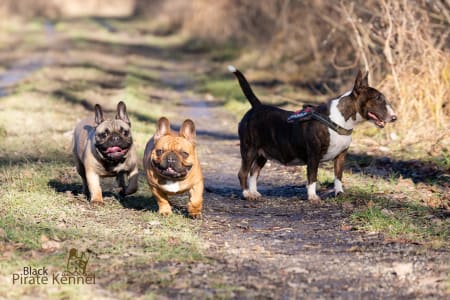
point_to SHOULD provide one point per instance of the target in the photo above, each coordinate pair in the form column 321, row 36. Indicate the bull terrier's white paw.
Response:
column 315, row 200
column 337, row 193
column 338, row 187
column 251, row 195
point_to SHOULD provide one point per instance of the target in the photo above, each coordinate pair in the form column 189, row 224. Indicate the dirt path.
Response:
column 281, row 246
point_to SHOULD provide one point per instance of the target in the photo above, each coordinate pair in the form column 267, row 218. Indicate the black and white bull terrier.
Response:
column 266, row 134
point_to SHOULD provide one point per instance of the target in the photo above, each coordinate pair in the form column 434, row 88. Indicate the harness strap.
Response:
column 327, row 121
column 308, row 113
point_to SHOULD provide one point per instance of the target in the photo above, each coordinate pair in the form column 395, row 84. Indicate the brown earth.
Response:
column 280, row 247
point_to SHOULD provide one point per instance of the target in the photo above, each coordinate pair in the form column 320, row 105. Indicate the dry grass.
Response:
column 407, row 42
column 138, row 252
column 40, row 189
column 404, row 44
column 64, row 8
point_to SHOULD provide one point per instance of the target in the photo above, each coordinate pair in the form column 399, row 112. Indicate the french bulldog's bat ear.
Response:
column 162, row 128
column 122, row 113
column 187, row 131
column 361, row 82
column 98, row 114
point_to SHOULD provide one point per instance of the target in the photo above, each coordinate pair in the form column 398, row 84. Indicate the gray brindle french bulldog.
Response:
column 104, row 148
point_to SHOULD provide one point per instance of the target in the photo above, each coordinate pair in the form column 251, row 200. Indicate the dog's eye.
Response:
column 159, row 152
column 106, row 132
column 102, row 135
column 184, row 154
column 125, row 133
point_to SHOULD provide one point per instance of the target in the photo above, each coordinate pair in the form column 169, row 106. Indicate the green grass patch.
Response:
column 405, row 219
column 227, row 89
column 443, row 160
column 39, row 186
column 237, row 107
column 410, row 223
column 216, row 52
column 21, row 231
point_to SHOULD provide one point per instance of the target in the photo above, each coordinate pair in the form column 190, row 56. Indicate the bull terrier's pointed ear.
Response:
column 162, row 128
column 361, row 81
column 187, row 131
column 98, row 114
column 122, row 113
column 365, row 80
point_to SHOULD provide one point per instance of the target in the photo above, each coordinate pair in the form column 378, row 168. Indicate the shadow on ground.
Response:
column 135, row 202
column 417, row 170
column 49, row 158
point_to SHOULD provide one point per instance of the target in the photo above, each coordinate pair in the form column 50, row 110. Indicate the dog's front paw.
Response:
column 97, row 203
column 251, row 195
column 338, row 193
column 315, row 200
column 195, row 211
column 165, row 210
column 195, row 215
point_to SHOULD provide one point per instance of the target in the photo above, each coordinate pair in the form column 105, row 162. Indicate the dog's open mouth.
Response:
column 376, row 120
column 115, row 152
column 172, row 173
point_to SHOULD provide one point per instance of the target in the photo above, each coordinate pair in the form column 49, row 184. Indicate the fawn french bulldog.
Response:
column 172, row 166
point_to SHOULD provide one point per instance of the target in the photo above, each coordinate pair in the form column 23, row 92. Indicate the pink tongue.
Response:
column 113, row 149
column 374, row 116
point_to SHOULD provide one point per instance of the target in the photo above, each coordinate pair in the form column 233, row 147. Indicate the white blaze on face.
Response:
column 390, row 113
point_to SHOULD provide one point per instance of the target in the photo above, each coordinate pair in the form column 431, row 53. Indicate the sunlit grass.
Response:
column 40, row 190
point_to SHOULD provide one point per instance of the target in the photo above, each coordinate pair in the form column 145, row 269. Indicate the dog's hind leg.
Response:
column 82, row 172
column 132, row 186
column 338, row 170
column 121, row 178
column 132, row 182
column 312, row 168
column 248, row 159
column 257, row 165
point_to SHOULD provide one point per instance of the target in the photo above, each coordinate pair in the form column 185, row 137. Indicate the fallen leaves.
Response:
column 345, row 227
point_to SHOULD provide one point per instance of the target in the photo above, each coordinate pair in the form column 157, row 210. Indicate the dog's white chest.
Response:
column 338, row 143
column 171, row 186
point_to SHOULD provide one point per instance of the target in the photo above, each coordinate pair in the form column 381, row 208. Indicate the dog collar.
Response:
column 308, row 113
column 327, row 121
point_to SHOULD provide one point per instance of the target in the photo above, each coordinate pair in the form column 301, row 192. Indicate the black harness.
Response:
column 308, row 113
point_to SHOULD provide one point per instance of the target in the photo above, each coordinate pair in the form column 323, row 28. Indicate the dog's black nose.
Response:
column 171, row 158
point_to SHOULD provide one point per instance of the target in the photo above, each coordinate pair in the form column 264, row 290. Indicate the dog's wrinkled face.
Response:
column 113, row 136
column 372, row 104
column 173, row 155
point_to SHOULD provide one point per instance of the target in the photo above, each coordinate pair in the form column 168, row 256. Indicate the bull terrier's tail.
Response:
column 245, row 86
